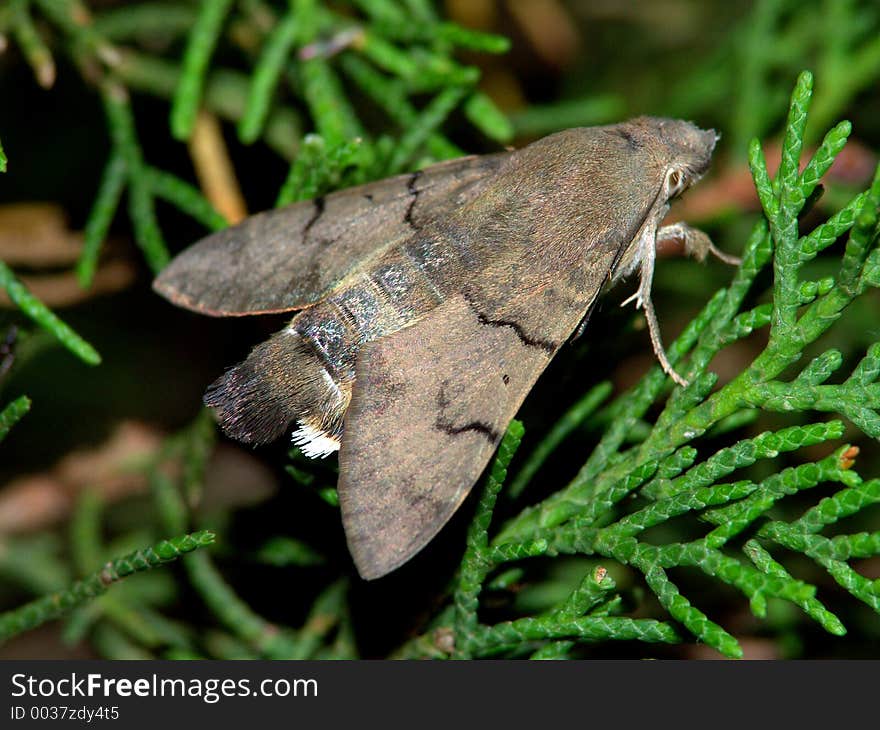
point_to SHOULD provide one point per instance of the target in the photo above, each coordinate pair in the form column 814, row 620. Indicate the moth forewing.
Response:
column 431, row 304
column 289, row 258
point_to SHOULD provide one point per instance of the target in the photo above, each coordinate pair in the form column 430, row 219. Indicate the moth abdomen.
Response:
column 283, row 381
column 301, row 378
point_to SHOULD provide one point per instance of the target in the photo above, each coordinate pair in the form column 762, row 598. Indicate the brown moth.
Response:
column 429, row 305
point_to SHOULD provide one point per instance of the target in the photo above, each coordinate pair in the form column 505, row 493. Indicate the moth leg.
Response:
column 696, row 243
column 645, row 257
column 657, row 343
column 643, row 301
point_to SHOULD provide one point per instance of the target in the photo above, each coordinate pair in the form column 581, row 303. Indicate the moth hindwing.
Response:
column 429, row 304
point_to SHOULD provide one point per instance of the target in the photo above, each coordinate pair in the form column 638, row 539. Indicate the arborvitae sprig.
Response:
column 13, row 413
column 45, row 317
column 54, row 605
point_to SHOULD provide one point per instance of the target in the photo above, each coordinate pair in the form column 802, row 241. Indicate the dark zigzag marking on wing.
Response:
column 547, row 346
column 445, row 425
column 320, row 204
column 473, row 427
column 411, row 189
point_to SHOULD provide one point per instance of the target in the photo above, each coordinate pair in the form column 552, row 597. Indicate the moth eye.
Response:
column 674, row 182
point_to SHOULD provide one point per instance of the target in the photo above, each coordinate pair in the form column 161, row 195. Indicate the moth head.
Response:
column 684, row 149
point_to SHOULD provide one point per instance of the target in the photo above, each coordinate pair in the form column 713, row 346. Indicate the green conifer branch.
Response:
column 141, row 208
column 319, row 166
column 482, row 112
column 474, row 564
column 112, row 643
column 427, row 122
column 380, row 11
column 831, row 146
column 473, row 40
column 74, row 19
column 537, row 120
column 202, row 40
column 163, row 19
column 184, row 196
column 101, row 216
column 767, row 445
column 810, row 605
column 268, row 639
column 56, row 604
column 263, row 637
column 33, row 563
column 671, row 467
column 491, row 640
column 85, row 531
column 334, row 117
column 840, row 505
column 31, row 43
column 567, row 423
column 327, row 613
column 267, row 74
column 858, row 245
column 593, row 591
column 391, row 96
column 45, row 318
column 127, row 609
column 225, row 94
column 13, row 413
column 422, row 10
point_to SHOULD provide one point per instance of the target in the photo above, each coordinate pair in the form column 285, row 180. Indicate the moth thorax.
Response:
column 283, row 383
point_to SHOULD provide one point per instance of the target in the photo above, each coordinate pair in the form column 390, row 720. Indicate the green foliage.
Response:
column 45, row 318
column 839, row 37
column 256, row 636
column 202, row 39
column 57, row 604
column 13, row 413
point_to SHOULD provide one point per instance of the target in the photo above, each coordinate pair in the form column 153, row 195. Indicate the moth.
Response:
column 427, row 306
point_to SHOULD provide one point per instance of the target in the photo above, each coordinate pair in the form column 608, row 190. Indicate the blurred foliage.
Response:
column 156, row 121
